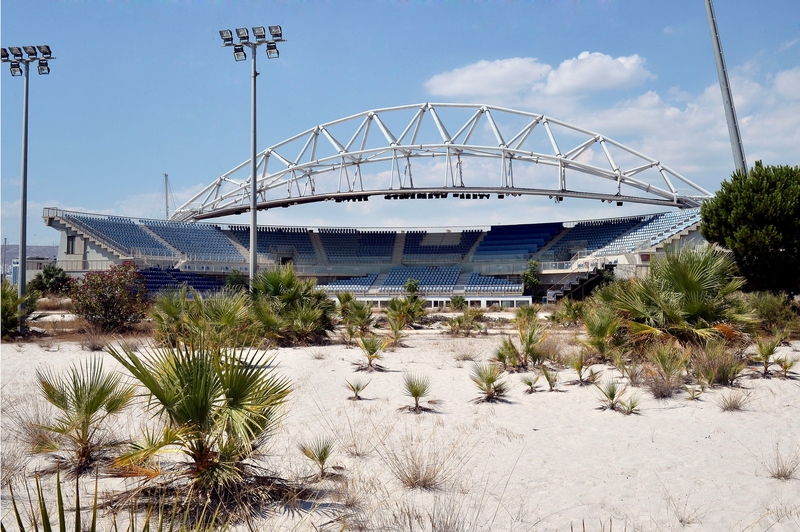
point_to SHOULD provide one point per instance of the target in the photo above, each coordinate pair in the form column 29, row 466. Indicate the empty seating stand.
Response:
column 653, row 230
column 279, row 242
column 356, row 285
column 120, row 233
column 515, row 242
column 354, row 246
column 430, row 279
column 197, row 240
column 157, row 280
column 591, row 236
column 422, row 246
column 481, row 284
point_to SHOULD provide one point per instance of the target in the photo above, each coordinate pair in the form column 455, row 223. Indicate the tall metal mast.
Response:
column 166, row 197
column 727, row 97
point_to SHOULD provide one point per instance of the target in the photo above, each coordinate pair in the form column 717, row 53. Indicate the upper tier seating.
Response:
column 591, row 236
column 515, row 242
column 421, row 245
column 278, row 240
column 352, row 245
column 157, row 280
column 122, row 233
column 199, row 241
column 477, row 283
column 430, row 278
column 651, row 232
column 357, row 285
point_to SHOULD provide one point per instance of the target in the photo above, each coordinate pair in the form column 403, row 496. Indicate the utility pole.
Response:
column 166, row 197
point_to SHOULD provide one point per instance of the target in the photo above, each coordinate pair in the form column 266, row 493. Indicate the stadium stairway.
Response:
column 166, row 244
column 96, row 239
column 399, row 246
column 578, row 287
column 471, row 252
column 316, row 241
column 243, row 250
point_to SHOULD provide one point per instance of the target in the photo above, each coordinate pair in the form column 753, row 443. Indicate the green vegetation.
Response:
column 112, row 300
column 488, row 379
column 458, row 303
column 530, row 277
column 85, row 397
column 238, row 281
column 357, row 386
column 51, row 280
column 373, row 347
column 756, row 215
column 416, row 387
column 318, row 451
column 11, row 310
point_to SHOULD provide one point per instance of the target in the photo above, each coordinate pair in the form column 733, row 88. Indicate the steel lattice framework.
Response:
column 325, row 162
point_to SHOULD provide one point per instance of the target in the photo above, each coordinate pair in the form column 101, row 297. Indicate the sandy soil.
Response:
column 542, row 461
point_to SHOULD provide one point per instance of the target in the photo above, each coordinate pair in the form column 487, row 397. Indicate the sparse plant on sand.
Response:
column 357, row 386
column 631, row 406
column 488, row 379
column 664, row 373
column 373, row 347
column 786, row 363
column 611, row 392
column 783, row 466
column 527, row 315
column 765, row 351
column 319, row 450
column 530, row 383
column 458, row 303
column 396, row 325
column 694, row 392
column 714, row 363
column 416, row 387
column 733, row 400
column 602, row 324
column 85, row 397
column 550, row 375
column 578, row 362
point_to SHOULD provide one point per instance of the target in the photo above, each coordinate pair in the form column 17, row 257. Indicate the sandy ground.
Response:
column 542, row 461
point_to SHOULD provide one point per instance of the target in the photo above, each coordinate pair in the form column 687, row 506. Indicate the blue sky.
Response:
column 143, row 88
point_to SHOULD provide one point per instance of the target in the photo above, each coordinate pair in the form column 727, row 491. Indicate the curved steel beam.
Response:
column 328, row 167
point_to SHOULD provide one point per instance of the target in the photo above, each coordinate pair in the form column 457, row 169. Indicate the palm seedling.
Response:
column 396, row 325
column 531, row 333
column 601, row 327
column 786, row 363
column 488, row 379
column 506, row 354
column 360, row 316
column 611, row 394
column 530, row 383
column 217, row 406
column 373, row 347
column 631, row 406
column 357, row 386
column 665, row 371
column 458, row 303
column 551, row 376
column 416, row 387
column 527, row 315
column 85, row 397
column 318, row 451
column 578, row 363
column 765, row 351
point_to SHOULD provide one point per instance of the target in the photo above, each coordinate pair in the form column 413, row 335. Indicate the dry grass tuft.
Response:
column 93, row 339
column 734, row 400
column 783, row 466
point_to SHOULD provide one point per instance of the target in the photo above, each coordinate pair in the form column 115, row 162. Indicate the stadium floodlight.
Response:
column 259, row 33
column 20, row 66
column 272, row 50
column 260, row 37
column 227, row 37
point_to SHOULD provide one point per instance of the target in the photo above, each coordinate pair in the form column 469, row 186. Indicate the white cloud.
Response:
column 669, row 30
column 520, row 77
column 787, row 83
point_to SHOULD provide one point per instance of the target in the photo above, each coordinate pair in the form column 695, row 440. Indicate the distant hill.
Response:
column 11, row 252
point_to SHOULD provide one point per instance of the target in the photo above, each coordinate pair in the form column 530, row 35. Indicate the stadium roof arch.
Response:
column 325, row 163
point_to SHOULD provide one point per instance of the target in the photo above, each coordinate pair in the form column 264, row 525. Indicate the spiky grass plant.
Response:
column 602, row 324
column 531, row 334
column 357, row 386
column 551, row 376
column 765, row 351
column 530, row 383
column 786, row 363
column 611, row 392
column 85, row 397
column 694, row 392
column 733, row 400
column 416, row 387
column 506, row 354
column 631, row 406
column 217, row 407
column 527, row 315
column 396, row 325
column 578, row 362
column 664, row 373
column 488, row 379
column 373, row 347
column 714, row 363
column 319, row 450
column 781, row 465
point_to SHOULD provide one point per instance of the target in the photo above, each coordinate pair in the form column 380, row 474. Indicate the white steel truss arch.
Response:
column 325, row 162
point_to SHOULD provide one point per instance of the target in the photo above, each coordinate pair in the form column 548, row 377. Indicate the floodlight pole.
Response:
column 23, row 203
column 253, row 181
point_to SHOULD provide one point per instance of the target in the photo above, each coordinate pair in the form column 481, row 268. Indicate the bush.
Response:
column 458, row 303
column 112, row 300
column 51, row 280
column 714, row 364
column 774, row 310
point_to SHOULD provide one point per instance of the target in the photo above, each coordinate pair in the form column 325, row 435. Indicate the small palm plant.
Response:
column 416, row 387
column 488, row 379
column 458, row 303
column 357, row 386
column 527, row 315
column 611, row 394
column 551, row 376
column 786, row 363
column 85, row 397
column 506, row 354
column 765, row 352
column 318, row 451
column 531, row 334
column 373, row 347
column 530, row 383
column 396, row 325
column 578, row 363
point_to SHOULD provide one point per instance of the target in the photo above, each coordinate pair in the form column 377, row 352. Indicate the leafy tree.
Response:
column 530, row 277
column 51, row 280
column 411, row 286
column 236, row 280
column 11, row 310
column 756, row 215
column 112, row 300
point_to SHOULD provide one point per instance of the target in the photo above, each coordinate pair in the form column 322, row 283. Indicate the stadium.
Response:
column 536, row 155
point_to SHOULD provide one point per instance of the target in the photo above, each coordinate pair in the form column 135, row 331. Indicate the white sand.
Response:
column 539, row 462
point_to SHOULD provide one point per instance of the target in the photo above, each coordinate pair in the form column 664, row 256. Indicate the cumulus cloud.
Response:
column 518, row 77
column 787, row 83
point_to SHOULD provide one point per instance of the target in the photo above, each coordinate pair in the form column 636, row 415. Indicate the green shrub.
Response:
column 774, row 310
column 51, row 280
column 112, row 300
column 458, row 303
column 713, row 363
